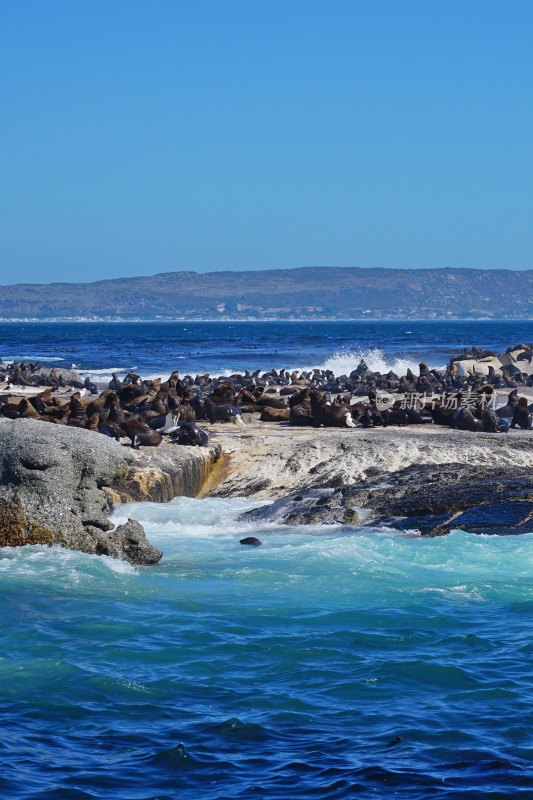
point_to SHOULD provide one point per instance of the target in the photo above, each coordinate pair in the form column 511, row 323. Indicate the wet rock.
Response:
column 310, row 507
column 433, row 499
column 128, row 542
column 437, row 499
column 162, row 473
column 502, row 519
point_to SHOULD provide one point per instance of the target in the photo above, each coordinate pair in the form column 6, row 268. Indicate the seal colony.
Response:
column 144, row 411
column 324, row 448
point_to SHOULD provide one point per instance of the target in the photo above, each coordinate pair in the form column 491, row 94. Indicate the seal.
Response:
column 140, row 433
column 464, row 420
column 252, row 541
column 509, row 409
column 492, row 423
column 189, row 433
column 522, row 416
column 223, row 412
column 331, row 415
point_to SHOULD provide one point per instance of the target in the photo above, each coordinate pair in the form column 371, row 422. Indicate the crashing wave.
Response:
column 344, row 361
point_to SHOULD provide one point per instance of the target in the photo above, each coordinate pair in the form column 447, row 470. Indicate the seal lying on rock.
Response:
column 270, row 414
column 223, row 412
column 522, row 416
column 189, row 433
column 140, row 433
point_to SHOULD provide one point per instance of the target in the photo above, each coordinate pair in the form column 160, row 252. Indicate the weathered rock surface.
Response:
column 56, row 484
column 51, row 480
column 161, row 473
column 431, row 499
column 270, row 461
column 437, row 499
column 311, row 507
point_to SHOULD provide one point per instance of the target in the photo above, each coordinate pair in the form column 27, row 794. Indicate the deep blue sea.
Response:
column 331, row 662
column 97, row 349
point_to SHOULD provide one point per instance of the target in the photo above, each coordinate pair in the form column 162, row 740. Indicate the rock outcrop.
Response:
column 161, row 473
column 51, row 481
column 270, row 462
column 437, row 499
column 57, row 484
column 311, row 507
column 427, row 478
column 433, row 499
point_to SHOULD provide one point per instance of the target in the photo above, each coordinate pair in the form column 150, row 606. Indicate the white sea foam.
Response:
column 342, row 362
column 188, row 517
column 106, row 370
column 69, row 567
column 106, row 374
column 345, row 360
column 33, row 357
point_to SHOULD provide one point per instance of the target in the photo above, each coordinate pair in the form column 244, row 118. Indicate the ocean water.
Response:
column 329, row 663
column 154, row 349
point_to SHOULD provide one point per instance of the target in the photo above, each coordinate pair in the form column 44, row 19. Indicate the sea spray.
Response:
column 343, row 362
column 340, row 362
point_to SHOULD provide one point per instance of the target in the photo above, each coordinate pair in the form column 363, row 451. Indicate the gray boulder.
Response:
column 128, row 541
column 51, row 490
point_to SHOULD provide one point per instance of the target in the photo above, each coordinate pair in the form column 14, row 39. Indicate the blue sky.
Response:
column 143, row 137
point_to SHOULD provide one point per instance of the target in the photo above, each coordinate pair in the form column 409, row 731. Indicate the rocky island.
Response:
column 58, row 482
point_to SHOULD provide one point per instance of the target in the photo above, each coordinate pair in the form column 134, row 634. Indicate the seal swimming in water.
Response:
column 252, row 541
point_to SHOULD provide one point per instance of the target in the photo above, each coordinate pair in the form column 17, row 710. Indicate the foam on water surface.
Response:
column 340, row 362
column 345, row 361
column 294, row 664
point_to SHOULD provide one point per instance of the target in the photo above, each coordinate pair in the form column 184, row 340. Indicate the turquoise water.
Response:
column 328, row 663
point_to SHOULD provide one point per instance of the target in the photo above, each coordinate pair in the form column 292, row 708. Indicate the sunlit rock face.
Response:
column 51, row 481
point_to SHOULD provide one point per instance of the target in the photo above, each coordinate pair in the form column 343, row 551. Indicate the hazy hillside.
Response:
column 308, row 292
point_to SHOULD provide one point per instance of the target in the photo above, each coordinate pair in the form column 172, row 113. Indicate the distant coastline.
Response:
column 304, row 294
column 237, row 320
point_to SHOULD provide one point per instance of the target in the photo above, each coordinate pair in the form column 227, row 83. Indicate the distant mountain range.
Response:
column 303, row 293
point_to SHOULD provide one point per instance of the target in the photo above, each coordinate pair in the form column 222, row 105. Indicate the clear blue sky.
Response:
column 142, row 137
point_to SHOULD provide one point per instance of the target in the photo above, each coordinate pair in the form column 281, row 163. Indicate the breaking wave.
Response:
column 342, row 362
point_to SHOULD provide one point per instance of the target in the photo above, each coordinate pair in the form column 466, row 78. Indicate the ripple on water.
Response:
column 350, row 662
